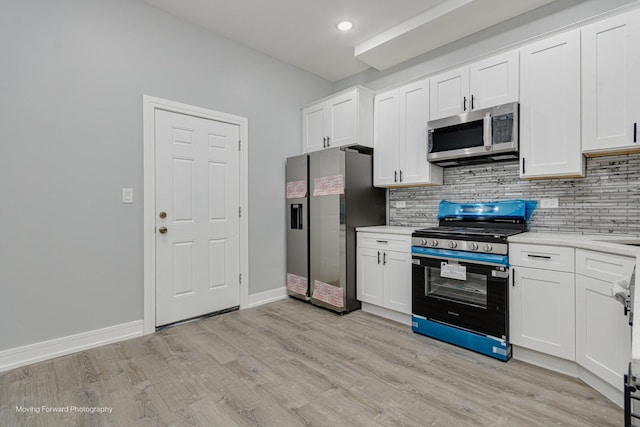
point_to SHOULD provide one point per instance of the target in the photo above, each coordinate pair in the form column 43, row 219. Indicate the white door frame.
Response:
column 149, row 105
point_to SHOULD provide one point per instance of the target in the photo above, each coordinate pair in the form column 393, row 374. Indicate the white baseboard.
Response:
column 553, row 363
column 386, row 313
column 21, row 356
column 616, row 395
column 568, row 367
column 266, row 297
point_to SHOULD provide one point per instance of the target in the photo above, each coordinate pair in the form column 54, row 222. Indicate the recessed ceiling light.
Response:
column 345, row 25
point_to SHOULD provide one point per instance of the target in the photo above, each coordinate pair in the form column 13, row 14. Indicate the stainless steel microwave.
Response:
column 478, row 136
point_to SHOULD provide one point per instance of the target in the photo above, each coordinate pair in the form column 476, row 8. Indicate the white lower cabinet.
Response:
column 397, row 281
column 603, row 334
column 542, row 311
column 560, row 305
column 384, row 271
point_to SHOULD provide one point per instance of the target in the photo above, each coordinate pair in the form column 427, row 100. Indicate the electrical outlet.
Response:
column 548, row 203
column 401, row 204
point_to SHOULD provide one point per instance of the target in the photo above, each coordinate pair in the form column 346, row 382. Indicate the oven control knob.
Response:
column 488, row 248
column 453, row 245
column 423, row 242
column 474, row 246
column 434, row 243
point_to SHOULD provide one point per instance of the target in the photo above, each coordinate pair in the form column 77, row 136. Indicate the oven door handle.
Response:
column 446, row 254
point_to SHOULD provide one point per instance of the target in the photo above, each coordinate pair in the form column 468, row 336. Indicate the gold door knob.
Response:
column 162, row 230
column 163, row 214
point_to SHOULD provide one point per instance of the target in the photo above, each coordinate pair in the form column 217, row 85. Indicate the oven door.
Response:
column 465, row 294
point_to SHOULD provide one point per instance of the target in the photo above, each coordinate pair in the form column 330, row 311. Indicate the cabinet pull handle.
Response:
column 635, row 132
column 324, row 142
column 464, row 103
column 523, row 166
column 472, row 99
column 378, row 257
column 328, row 141
column 400, row 176
column 539, row 256
column 513, row 277
column 395, row 176
column 384, row 258
column 382, row 241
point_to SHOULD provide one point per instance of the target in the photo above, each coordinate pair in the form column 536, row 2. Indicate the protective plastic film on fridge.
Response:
column 340, row 197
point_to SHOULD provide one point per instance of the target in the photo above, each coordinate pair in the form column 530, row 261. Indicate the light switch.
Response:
column 127, row 195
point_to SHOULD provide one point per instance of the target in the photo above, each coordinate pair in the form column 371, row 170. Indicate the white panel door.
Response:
column 414, row 114
column 603, row 334
column 495, row 81
column 313, row 128
column 449, row 93
column 542, row 311
column 385, row 139
column 397, row 281
column 197, row 242
column 369, row 276
column 343, row 119
column 550, row 142
column 610, row 84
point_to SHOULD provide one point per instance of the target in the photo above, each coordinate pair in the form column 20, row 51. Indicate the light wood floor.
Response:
column 289, row 364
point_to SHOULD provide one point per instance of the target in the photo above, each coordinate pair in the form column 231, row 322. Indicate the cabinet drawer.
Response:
column 603, row 266
column 380, row 241
column 555, row 258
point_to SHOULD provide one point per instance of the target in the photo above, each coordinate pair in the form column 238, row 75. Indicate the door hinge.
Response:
column 240, row 278
column 239, row 144
column 239, row 211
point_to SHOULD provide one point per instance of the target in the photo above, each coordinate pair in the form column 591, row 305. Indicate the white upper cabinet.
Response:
column 386, row 136
column 343, row 119
column 550, row 108
column 450, row 93
column 495, row 81
column 400, row 138
column 610, row 85
column 487, row 83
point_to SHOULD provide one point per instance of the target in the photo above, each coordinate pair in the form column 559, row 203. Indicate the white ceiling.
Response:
column 303, row 33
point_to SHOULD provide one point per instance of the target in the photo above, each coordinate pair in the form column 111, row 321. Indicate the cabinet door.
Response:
column 603, row 334
column 495, row 81
column 550, row 108
column 313, row 128
column 397, row 281
column 412, row 150
column 369, row 276
column 343, row 119
column 449, row 93
column 610, row 84
column 542, row 311
column 385, row 139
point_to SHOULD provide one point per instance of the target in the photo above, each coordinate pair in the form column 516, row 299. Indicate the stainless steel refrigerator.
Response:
column 329, row 194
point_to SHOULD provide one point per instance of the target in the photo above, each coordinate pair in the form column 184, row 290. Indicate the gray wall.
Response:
column 607, row 200
column 72, row 78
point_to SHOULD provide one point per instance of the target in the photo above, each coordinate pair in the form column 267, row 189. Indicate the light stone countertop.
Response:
column 388, row 229
column 613, row 244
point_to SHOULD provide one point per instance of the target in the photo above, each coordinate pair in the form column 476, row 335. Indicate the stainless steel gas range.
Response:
column 460, row 274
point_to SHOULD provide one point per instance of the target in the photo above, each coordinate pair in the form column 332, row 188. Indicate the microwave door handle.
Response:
column 487, row 134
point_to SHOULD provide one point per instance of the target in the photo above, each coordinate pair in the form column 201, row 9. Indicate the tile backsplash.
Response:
column 606, row 201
